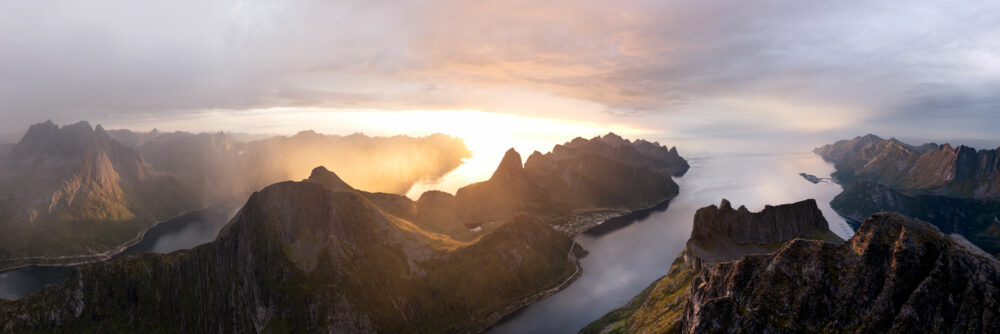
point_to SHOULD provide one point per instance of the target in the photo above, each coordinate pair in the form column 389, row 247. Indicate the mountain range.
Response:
column 956, row 189
column 76, row 194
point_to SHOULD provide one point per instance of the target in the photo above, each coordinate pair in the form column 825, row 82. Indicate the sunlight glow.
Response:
column 487, row 134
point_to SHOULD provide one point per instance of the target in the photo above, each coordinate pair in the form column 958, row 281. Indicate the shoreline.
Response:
column 498, row 317
column 572, row 232
column 81, row 259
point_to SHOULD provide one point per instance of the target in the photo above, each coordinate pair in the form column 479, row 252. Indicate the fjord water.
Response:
column 182, row 232
column 623, row 262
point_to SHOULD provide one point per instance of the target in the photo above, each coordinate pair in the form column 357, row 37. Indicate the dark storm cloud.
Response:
column 792, row 60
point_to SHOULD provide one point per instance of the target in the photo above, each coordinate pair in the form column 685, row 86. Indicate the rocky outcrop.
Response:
column 308, row 256
column 895, row 275
column 719, row 234
column 602, row 173
column 774, row 224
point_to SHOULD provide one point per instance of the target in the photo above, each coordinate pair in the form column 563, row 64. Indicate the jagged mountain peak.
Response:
column 510, row 166
column 328, row 179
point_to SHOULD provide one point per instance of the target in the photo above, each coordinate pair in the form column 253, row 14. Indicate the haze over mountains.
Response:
column 76, row 193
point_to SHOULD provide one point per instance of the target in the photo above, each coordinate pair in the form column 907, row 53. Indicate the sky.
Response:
column 659, row 69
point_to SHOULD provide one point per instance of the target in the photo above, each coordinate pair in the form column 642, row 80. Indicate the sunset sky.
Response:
column 659, row 69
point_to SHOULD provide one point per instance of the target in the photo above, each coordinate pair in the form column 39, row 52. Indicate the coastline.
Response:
column 81, row 259
column 573, row 231
column 500, row 316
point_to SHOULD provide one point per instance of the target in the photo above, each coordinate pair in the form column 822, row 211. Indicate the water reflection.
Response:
column 185, row 231
column 624, row 261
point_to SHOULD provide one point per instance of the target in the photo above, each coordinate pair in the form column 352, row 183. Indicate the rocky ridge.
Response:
column 720, row 234
column 895, row 275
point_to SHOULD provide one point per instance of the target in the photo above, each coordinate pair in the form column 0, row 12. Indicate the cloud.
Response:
column 579, row 59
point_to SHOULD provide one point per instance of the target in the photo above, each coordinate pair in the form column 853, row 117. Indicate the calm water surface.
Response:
column 625, row 261
column 182, row 232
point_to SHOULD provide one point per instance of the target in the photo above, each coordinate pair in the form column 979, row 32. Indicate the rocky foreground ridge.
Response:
column 895, row 275
column 310, row 256
column 955, row 188
column 719, row 234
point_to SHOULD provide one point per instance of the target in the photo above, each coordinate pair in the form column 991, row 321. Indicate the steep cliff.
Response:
column 723, row 233
column 719, row 234
column 608, row 173
column 308, row 256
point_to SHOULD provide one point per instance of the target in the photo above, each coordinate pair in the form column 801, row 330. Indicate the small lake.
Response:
column 182, row 232
column 626, row 259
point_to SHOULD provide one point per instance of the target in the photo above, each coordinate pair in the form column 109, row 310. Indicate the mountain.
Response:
column 309, row 256
column 602, row 173
column 944, row 170
column 956, row 189
column 74, row 190
column 719, row 234
column 895, row 275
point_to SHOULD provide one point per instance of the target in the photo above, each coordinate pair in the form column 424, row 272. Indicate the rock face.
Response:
column 308, row 256
column 719, row 234
column 606, row 172
column 74, row 190
column 894, row 275
column 774, row 224
column 956, row 189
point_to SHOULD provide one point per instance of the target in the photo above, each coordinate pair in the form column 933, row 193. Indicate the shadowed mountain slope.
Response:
column 311, row 256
